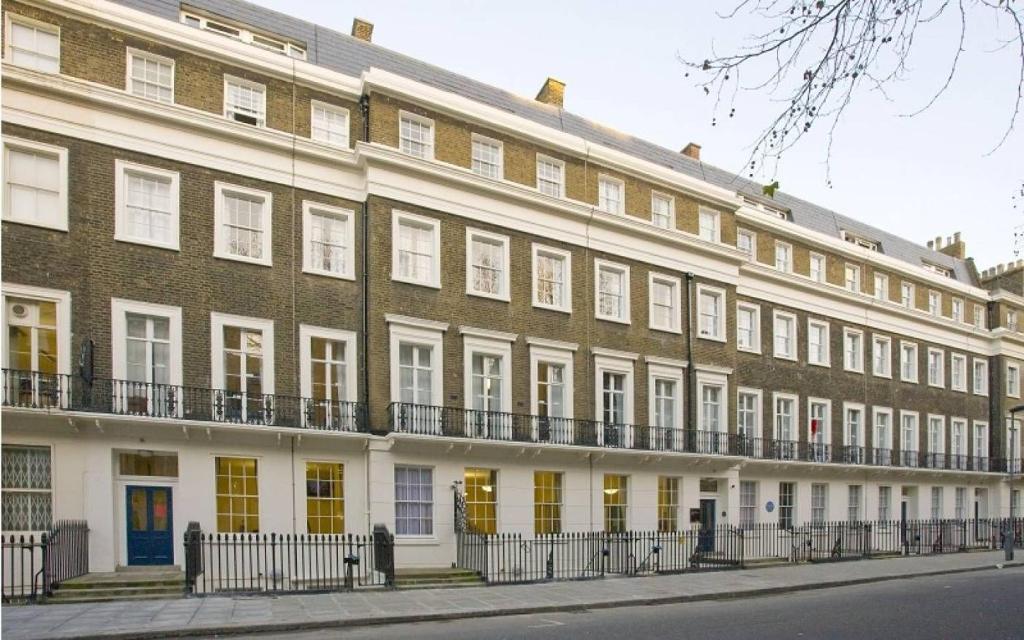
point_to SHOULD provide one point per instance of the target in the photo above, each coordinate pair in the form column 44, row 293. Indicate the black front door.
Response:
column 150, row 529
column 706, row 537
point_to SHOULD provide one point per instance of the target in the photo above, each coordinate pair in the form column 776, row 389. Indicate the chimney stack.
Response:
column 954, row 247
column 691, row 150
column 362, row 30
column 553, row 93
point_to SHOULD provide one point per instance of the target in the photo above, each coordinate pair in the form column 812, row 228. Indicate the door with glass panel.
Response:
column 486, row 418
column 819, row 449
column 551, row 424
column 331, row 408
column 416, row 413
column 666, row 434
column 613, row 395
column 31, row 353
column 243, row 376
column 147, row 390
column 150, row 534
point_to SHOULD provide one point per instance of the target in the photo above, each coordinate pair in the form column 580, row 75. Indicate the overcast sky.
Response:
column 917, row 177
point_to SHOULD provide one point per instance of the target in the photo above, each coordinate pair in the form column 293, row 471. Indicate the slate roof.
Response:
column 342, row 53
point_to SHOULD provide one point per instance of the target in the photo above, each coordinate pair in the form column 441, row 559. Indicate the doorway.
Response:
column 150, row 527
column 706, row 536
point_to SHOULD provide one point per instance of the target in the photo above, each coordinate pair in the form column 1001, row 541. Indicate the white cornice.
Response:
column 552, row 344
column 614, row 353
column 1002, row 295
column 203, row 43
column 489, row 334
column 419, row 323
column 667, row 362
column 792, row 230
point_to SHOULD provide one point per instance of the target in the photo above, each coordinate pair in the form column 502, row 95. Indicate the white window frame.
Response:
column 877, row 340
column 62, row 300
column 793, row 336
column 979, row 428
column 916, row 362
column 916, row 444
column 261, row 122
column 795, row 424
column 335, row 109
column 566, row 256
column 602, row 203
column 847, row 365
column 881, row 287
column 501, row 347
column 854, row 502
column 121, row 167
column 623, row 270
column 941, row 421
column 716, row 229
column 941, row 384
column 979, row 316
column 789, row 252
column 741, row 232
column 554, row 161
column 397, row 219
column 1013, row 391
column 881, row 411
column 433, row 494
column 671, row 222
column 550, row 352
column 675, row 322
column 423, row 121
column 309, row 208
column 855, row 286
column 32, row 146
column 957, row 308
column 34, row 24
column 982, row 389
column 504, row 281
column 965, row 442
column 936, row 308
column 822, row 273
column 755, row 327
column 220, row 219
column 429, row 333
column 306, row 334
column 861, row 426
column 827, row 341
column 482, row 139
column 826, row 431
column 758, row 395
column 720, row 335
column 266, row 327
column 954, row 358
column 130, row 55
column 119, row 310
column 907, row 295
column 614, row 364
column 709, row 379
column 674, row 375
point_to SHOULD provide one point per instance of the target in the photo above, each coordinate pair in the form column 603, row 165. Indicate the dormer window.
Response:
column 942, row 271
column 276, row 45
column 860, row 241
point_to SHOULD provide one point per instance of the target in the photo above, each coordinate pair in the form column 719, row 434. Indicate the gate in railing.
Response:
column 34, row 565
column 282, row 563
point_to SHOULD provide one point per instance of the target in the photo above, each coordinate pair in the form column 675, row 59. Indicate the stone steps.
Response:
column 436, row 578
column 134, row 584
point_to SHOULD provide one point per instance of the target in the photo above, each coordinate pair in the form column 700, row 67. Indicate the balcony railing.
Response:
column 127, row 398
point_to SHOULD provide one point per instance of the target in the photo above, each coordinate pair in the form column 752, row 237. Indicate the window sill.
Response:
column 824, row 365
column 611, row 319
column 144, row 243
column 548, row 307
column 417, row 541
column 420, row 283
column 780, row 356
column 328, row 274
column 711, row 338
column 32, row 223
column 489, row 296
column 887, row 376
column 674, row 330
column 748, row 350
column 258, row 262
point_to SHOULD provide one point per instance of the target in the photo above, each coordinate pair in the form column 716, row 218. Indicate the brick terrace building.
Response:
column 269, row 277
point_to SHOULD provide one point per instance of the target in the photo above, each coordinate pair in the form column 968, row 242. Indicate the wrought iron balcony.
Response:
column 36, row 390
column 514, row 427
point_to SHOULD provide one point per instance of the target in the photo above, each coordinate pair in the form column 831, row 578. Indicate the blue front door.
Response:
column 150, row 530
column 706, row 536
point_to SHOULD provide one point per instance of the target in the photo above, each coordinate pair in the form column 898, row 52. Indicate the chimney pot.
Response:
column 956, row 237
column 938, row 242
column 553, row 93
column 362, row 29
column 999, row 268
column 931, row 244
column 691, row 150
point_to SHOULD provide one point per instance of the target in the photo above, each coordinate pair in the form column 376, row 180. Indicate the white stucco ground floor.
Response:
column 140, row 482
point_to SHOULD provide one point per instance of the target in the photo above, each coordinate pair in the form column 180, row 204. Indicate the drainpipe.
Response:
column 364, row 110
column 691, row 369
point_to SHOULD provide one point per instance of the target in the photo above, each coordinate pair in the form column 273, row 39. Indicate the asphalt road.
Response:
column 986, row 605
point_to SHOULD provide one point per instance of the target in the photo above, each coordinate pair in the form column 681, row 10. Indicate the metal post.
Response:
column 1010, row 462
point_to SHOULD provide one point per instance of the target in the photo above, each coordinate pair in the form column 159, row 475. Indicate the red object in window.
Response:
column 814, row 426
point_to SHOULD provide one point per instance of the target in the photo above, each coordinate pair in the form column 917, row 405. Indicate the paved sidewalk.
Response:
column 250, row 614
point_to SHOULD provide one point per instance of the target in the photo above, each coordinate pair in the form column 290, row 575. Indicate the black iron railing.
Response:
column 284, row 563
column 144, row 399
column 512, row 557
column 34, row 565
